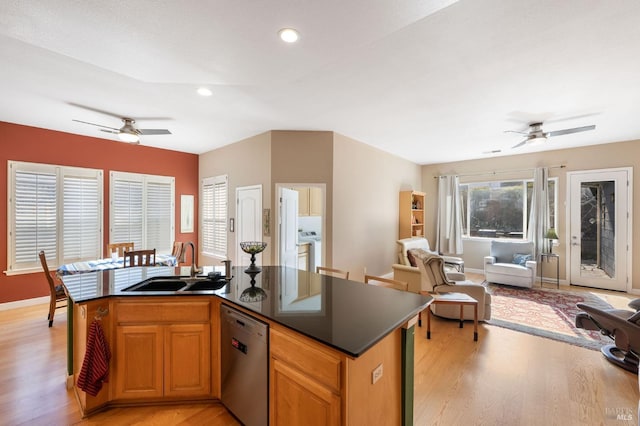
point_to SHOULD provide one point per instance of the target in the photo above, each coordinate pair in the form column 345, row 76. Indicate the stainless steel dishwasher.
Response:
column 245, row 366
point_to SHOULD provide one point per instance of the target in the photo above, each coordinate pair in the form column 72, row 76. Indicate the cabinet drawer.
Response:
column 169, row 312
column 307, row 357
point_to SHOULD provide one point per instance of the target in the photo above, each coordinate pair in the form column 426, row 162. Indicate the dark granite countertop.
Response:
column 347, row 315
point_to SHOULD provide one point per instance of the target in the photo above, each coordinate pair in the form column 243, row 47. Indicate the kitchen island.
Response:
column 340, row 352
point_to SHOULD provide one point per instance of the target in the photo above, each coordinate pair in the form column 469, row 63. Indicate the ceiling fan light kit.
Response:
column 128, row 137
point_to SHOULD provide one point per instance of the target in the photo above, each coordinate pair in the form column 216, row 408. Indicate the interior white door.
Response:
column 599, row 239
column 248, row 221
column 289, row 227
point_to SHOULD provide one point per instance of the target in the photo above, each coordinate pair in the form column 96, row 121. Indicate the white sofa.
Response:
column 500, row 266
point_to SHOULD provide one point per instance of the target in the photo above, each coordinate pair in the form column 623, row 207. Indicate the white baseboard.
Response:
column 23, row 303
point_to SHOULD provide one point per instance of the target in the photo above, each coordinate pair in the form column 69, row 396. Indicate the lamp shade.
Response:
column 551, row 234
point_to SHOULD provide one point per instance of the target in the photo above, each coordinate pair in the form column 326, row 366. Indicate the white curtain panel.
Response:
column 449, row 228
column 539, row 215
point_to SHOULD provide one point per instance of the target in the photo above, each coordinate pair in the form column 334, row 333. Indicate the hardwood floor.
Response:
column 506, row 378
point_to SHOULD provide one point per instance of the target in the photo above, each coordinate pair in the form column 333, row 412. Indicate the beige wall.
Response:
column 301, row 157
column 623, row 154
column 367, row 182
column 246, row 162
column 362, row 186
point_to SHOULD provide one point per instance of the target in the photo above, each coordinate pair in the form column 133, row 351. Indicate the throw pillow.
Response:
column 521, row 258
column 412, row 259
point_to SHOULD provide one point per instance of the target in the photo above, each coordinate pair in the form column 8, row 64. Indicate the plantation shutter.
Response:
column 35, row 218
column 214, row 215
column 143, row 211
column 82, row 216
column 126, row 212
column 159, row 216
column 52, row 208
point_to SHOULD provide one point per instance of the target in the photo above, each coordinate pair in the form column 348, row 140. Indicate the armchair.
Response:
column 511, row 263
column 433, row 278
column 622, row 326
column 405, row 271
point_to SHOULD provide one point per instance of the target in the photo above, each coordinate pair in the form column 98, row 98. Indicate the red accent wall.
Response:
column 23, row 143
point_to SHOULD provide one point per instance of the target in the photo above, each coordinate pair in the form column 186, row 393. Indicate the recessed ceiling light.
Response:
column 203, row 91
column 289, row 35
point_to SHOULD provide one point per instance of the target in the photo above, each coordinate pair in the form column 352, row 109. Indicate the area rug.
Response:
column 546, row 313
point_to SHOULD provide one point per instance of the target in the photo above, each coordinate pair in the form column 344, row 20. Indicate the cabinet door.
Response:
column 303, row 201
column 300, row 400
column 303, row 257
column 187, row 360
column 138, row 361
column 315, row 201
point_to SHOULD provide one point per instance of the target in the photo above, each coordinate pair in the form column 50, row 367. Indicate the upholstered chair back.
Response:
column 432, row 273
column 407, row 244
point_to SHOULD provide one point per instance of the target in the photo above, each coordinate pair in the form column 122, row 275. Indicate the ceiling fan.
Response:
column 128, row 132
column 536, row 135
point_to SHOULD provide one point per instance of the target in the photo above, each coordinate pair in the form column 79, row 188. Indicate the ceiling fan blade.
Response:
column 94, row 124
column 115, row 131
column 520, row 144
column 118, row 116
column 515, row 131
column 154, row 131
column 95, row 110
column 569, row 131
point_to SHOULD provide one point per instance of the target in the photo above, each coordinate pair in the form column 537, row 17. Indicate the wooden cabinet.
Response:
column 163, row 349
column 305, row 384
column 303, row 256
column 139, row 357
column 315, row 201
column 187, row 362
column 309, row 201
column 411, row 214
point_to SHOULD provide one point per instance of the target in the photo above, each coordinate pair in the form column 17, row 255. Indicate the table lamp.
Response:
column 550, row 237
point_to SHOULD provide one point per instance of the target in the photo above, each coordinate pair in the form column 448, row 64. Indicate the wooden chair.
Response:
column 177, row 251
column 333, row 272
column 119, row 247
column 139, row 258
column 386, row 282
column 58, row 292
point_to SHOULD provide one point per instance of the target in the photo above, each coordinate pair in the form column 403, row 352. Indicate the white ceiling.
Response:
column 428, row 80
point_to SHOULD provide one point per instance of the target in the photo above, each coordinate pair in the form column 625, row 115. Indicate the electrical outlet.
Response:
column 376, row 374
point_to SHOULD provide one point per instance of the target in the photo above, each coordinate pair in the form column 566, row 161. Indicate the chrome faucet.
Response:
column 194, row 268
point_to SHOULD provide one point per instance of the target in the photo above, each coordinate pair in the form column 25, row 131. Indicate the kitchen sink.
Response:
column 179, row 284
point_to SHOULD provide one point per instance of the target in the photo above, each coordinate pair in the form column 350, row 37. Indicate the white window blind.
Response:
column 143, row 210
column 52, row 208
column 82, row 216
column 214, row 215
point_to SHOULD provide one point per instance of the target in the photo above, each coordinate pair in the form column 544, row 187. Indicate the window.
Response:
column 214, row 215
column 142, row 210
column 501, row 209
column 56, row 209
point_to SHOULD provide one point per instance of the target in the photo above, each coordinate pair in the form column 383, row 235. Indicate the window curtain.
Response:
column 539, row 214
column 449, row 227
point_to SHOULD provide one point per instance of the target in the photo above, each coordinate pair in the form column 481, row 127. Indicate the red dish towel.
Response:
column 95, row 367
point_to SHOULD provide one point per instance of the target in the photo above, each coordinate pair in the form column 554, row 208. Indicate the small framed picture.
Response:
column 186, row 214
column 266, row 222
